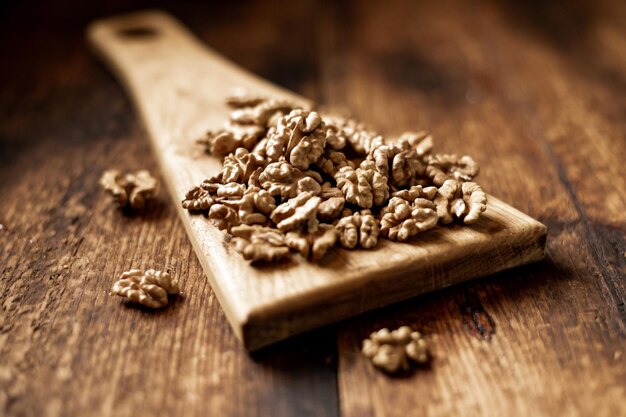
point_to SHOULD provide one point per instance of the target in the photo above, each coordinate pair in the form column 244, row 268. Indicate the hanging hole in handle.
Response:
column 138, row 33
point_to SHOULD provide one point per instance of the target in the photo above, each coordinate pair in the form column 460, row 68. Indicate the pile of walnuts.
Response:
column 293, row 181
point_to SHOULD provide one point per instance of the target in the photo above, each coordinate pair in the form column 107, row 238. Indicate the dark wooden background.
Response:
column 534, row 90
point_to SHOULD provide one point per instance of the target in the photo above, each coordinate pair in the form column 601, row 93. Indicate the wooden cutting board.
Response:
column 178, row 86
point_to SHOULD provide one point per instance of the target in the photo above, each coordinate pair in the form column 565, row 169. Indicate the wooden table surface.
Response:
column 534, row 90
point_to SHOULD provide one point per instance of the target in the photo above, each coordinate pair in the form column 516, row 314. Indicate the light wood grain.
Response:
column 179, row 87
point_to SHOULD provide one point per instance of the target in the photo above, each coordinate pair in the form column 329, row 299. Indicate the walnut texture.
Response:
column 391, row 351
column 131, row 190
column 296, row 181
column 149, row 288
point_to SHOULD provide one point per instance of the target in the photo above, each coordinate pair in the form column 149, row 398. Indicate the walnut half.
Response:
column 129, row 190
column 149, row 288
column 391, row 351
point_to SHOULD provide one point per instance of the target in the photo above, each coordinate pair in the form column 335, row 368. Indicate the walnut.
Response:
column 464, row 201
column 149, row 288
column 263, row 113
column 363, row 186
column 415, row 192
column 391, row 351
column 331, row 161
column 257, row 243
column 400, row 162
column 299, row 138
column 232, row 136
column 241, row 99
column 254, row 206
column 296, row 211
column 329, row 191
column 223, row 217
column 443, row 167
column 312, row 245
column 361, row 139
column 198, row 199
column 239, row 166
column 358, row 229
column 282, row 179
column 231, row 189
column 400, row 220
column 130, row 190
column 330, row 209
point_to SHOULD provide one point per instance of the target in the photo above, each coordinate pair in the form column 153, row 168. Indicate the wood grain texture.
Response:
column 534, row 90
column 180, row 88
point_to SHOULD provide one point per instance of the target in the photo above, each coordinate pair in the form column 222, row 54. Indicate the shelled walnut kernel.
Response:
column 129, row 190
column 149, row 288
column 296, row 181
column 391, row 351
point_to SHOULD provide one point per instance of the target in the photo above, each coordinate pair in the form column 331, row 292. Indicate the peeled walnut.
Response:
column 401, row 220
column 198, row 199
column 223, row 217
column 391, row 351
column 257, row 243
column 225, row 141
column 465, row 201
column 420, row 142
column 415, row 192
column 283, row 179
column 332, row 161
column 358, row 229
column 240, row 165
column 312, row 245
column 254, row 207
column 363, row 186
column 330, row 209
column 263, row 113
column 361, row 139
column 130, row 190
column 443, row 167
column 296, row 211
column 299, row 138
column 231, row 189
column 149, row 288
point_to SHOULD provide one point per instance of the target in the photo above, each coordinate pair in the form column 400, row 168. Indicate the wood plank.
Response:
column 543, row 340
column 179, row 88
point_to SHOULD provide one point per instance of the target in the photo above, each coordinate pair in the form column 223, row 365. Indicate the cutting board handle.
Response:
column 152, row 47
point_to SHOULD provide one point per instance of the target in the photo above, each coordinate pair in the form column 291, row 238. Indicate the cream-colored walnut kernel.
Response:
column 443, row 167
column 363, row 186
column 296, row 211
column 130, row 190
column 330, row 209
column 283, row 179
column 391, row 351
column 312, row 245
column 254, row 207
column 149, row 288
column 361, row 139
column 258, row 243
column 401, row 220
column 263, row 113
column 332, row 161
column 360, row 228
column 465, row 201
column 240, row 165
column 223, row 217
column 198, row 199
column 299, row 138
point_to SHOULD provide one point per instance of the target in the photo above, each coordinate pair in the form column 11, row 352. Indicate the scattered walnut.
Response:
column 130, row 190
column 239, row 166
column 262, row 113
column 299, row 138
column 296, row 211
column 361, row 139
column 312, row 245
column 358, row 229
column 257, row 243
column 332, row 161
column 330, row 209
column 391, row 351
column 464, row 201
column 254, row 206
column 363, row 186
column 400, row 220
column 198, row 199
column 283, row 179
column 149, row 288
column 421, row 142
column 223, row 217
column 443, row 167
